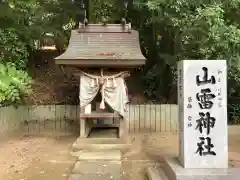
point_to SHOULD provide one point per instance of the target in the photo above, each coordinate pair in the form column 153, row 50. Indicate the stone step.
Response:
column 100, row 167
column 99, row 144
column 163, row 175
column 77, row 147
column 156, row 173
column 98, row 140
column 92, row 177
column 98, row 155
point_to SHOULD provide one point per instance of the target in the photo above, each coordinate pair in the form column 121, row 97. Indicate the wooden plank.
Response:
column 105, row 125
column 124, row 75
column 99, row 115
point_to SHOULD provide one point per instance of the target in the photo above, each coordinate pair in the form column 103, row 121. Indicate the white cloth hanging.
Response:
column 113, row 91
column 116, row 96
column 89, row 88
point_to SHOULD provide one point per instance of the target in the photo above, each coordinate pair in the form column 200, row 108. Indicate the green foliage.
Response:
column 109, row 9
column 204, row 33
column 234, row 95
column 13, row 81
column 23, row 22
column 12, row 50
column 13, row 84
column 196, row 29
column 190, row 29
column 57, row 17
column 32, row 19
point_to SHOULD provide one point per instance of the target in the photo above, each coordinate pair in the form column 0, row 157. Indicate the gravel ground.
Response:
column 48, row 158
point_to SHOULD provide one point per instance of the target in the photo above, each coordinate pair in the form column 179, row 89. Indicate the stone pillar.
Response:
column 202, row 100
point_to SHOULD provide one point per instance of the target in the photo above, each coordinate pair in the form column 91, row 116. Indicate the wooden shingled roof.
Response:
column 96, row 45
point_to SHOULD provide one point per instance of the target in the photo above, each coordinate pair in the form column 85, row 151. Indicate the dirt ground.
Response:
column 48, row 158
column 36, row 158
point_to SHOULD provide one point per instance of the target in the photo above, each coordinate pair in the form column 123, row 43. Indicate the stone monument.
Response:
column 202, row 100
column 203, row 136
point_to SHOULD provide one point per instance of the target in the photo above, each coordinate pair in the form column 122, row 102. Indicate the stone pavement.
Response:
column 97, row 165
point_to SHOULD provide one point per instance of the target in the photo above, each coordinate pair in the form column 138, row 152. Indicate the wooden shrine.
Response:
column 102, row 53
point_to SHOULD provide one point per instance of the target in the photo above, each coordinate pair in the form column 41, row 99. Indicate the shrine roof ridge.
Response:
column 108, row 28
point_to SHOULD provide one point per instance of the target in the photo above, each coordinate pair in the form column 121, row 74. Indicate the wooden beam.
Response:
column 124, row 75
column 99, row 115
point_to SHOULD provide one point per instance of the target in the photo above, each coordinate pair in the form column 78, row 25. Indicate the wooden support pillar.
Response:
column 82, row 128
column 82, row 124
column 85, row 125
column 123, row 130
column 88, row 125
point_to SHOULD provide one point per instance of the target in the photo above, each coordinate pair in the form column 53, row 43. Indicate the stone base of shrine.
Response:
column 86, row 124
column 175, row 171
column 100, row 144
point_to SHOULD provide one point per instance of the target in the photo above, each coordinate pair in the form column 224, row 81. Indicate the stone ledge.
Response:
column 100, row 155
column 156, row 173
column 175, row 171
column 100, row 144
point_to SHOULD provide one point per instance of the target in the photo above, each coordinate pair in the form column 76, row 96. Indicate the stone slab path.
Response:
column 97, row 165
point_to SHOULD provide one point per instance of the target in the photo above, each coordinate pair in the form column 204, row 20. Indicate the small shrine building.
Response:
column 104, row 54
